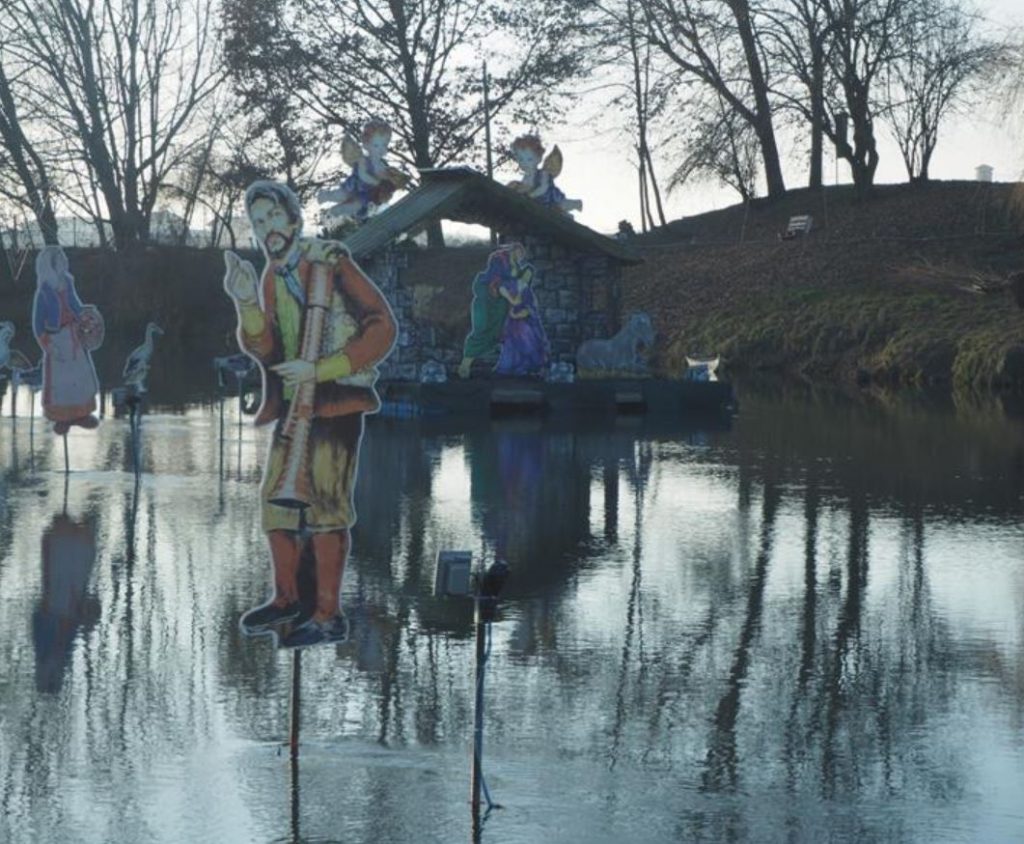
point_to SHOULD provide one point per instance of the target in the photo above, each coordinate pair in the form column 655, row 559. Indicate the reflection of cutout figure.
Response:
column 68, row 556
column 67, row 331
column 505, row 319
column 372, row 181
column 308, row 287
column 538, row 180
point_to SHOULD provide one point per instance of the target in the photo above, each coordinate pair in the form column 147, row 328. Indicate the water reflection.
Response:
column 802, row 626
column 66, row 608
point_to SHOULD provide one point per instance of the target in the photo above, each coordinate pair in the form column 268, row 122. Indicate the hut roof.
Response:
column 464, row 195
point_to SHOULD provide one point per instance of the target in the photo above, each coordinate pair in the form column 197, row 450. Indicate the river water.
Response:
column 803, row 624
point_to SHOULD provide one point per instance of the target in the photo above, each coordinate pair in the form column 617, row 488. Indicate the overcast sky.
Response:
column 596, row 172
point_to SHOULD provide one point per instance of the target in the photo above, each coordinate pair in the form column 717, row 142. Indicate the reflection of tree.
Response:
column 639, row 472
column 721, row 761
column 846, row 638
column 808, row 633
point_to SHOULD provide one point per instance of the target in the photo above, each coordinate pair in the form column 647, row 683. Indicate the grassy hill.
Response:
column 907, row 286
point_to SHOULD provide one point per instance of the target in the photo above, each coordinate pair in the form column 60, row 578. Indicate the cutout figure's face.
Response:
column 527, row 158
column 378, row 145
column 517, row 252
column 273, row 228
column 53, row 267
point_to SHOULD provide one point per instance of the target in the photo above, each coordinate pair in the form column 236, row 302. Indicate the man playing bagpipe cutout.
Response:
column 318, row 326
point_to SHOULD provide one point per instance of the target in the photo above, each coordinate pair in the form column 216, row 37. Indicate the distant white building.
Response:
column 983, row 173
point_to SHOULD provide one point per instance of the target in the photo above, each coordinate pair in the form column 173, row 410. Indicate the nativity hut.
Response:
column 576, row 271
column 574, row 304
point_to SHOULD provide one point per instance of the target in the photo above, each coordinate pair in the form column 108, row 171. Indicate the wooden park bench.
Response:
column 799, row 225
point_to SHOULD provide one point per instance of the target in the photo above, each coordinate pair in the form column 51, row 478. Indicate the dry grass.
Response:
column 924, row 302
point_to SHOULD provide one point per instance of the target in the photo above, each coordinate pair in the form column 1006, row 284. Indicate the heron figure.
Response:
column 21, row 368
column 136, row 368
column 6, row 333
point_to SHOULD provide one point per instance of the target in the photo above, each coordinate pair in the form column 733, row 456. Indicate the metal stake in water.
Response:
column 132, row 400
column 293, row 740
column 486, row 604
column 476, row 774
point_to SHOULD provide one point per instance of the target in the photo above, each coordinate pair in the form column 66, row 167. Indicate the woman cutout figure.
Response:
column 67, row 331
column 524, row 344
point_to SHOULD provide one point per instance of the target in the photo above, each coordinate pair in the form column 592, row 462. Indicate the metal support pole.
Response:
column 478, row 708
column 67, row 462
column 241, row 403
column 487, row 140
column 133, row 426
column 293, row 731
column 293, row 740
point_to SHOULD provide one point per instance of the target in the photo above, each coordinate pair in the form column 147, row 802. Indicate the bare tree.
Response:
column 617, row 41
column 797, row 36
column 944, row 61
column 718, row 43
column 719, row 145
column 413, row 63
column 866, row 39
column 24, row 173
column 121, row 81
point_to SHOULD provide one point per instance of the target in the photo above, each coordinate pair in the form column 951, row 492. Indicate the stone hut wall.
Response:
column 579, row 296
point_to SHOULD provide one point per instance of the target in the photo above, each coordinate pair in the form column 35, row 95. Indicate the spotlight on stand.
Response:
column 454, row 577
column 453, row 574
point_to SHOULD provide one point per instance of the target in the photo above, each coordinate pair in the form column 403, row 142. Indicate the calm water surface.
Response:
column 807, row 625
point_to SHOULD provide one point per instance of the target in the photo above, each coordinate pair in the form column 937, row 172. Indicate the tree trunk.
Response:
column 654, row 185
column 763, row 112
column 816, row 178
column 26, row 163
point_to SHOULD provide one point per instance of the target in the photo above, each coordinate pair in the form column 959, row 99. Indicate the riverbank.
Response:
column 905, row 288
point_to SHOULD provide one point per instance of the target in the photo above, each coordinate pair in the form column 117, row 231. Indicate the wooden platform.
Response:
column 515, row 396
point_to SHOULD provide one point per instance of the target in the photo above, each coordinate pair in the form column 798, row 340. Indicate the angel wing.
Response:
column 553, row 163
column 351, row 152
column 398, row 178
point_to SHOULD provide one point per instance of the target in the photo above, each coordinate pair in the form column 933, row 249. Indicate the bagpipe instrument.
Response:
column 294, row 487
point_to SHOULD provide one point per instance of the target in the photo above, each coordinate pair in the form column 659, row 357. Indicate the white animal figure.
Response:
column 560, row 372
column 701, row 369
column 433, row 372
column 625, row 353
column 136, row 368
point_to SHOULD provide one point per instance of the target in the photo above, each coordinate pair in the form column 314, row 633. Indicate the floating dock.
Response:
column 521, row 396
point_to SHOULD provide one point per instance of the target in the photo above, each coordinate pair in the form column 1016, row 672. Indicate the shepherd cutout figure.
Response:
column 318, row 326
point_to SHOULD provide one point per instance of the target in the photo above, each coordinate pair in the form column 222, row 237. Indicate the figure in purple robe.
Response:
column 524, row 343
